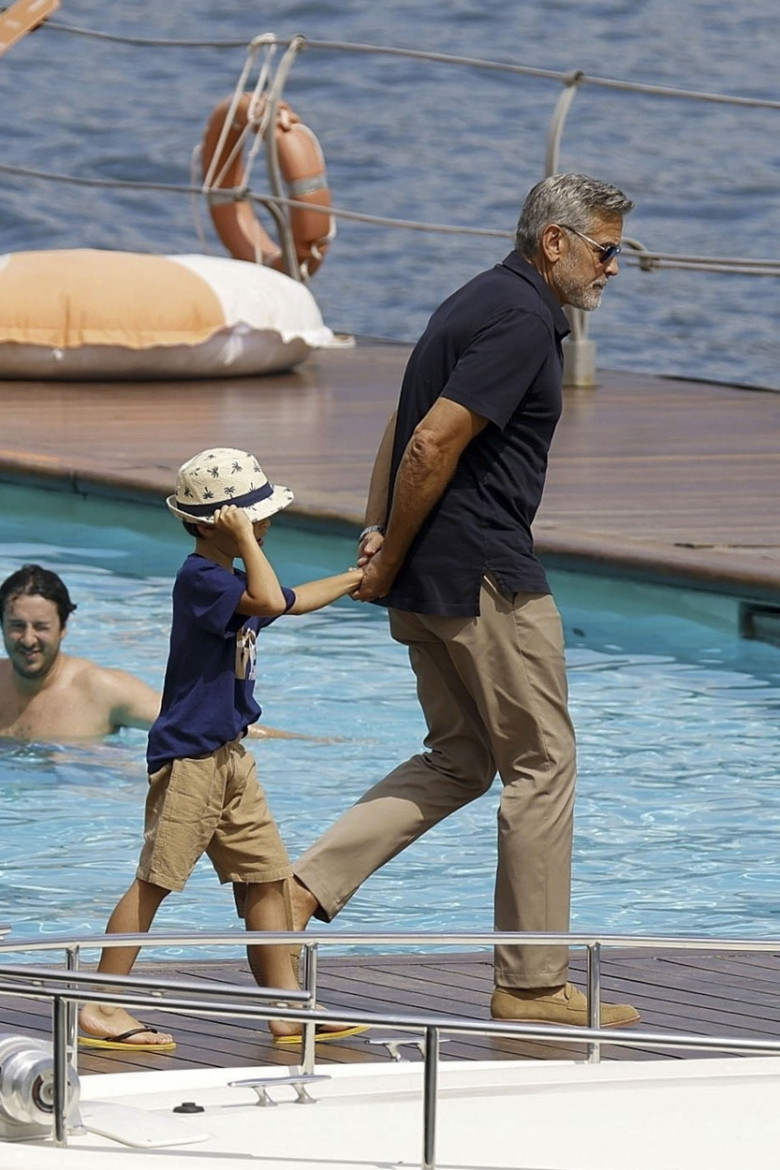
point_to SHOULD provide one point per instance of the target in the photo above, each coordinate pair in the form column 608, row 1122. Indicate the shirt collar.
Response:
column 517, row 263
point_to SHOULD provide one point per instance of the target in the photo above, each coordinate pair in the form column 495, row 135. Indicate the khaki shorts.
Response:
column 212, row 805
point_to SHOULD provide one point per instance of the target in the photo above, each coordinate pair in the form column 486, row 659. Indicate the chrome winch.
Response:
column 27, row 1088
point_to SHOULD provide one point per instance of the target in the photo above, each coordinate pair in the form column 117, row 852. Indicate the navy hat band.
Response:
column 244, row 501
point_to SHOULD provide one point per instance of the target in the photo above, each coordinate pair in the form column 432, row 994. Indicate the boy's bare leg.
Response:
column 133, row 914
column 272, row 965
column 257, row 955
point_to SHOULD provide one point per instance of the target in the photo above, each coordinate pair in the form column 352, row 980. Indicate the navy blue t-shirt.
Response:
column 494, row 346
column 208, row 697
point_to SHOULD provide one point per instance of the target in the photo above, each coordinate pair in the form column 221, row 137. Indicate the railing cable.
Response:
column 560, row 76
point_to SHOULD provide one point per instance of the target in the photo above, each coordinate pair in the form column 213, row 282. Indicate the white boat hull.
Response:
column 622, row 1115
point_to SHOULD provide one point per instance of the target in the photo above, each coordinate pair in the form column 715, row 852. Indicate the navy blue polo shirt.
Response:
column 494, row 346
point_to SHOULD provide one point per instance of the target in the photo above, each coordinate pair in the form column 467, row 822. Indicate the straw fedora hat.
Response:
column 224, row 475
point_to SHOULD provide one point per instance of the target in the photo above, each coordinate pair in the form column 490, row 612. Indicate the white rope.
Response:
column 258, row 117
column 210, row 179
column 196, row 203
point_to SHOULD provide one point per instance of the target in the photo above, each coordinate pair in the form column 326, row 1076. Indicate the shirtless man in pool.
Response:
column 46, row 694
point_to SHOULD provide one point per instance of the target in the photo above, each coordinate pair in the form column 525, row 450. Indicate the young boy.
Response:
column 204, row 796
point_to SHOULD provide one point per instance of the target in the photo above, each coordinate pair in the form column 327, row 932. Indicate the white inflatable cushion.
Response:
column 85, row 314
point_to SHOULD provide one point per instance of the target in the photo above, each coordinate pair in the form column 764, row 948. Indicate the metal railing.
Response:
column 66, row 988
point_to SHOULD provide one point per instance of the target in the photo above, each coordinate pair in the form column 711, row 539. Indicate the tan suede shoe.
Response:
column 566, row 1005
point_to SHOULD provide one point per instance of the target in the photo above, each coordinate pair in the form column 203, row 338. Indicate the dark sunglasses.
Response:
column 606, row 252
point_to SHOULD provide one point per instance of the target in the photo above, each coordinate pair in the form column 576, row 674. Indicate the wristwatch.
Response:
column 369, row 528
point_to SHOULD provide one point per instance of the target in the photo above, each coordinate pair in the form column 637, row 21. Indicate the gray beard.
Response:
column 576, row 294
column 585, row 298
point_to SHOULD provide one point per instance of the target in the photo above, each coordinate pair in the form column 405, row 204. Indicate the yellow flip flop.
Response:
column 120, row 1043
column 323, row 1035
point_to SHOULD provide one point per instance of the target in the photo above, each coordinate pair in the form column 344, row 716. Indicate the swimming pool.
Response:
column 678, row 811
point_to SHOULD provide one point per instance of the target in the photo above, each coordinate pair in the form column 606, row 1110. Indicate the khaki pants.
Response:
column 494, row 694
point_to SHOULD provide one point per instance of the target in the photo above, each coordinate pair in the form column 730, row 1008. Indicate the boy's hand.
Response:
column 233, row 520
column 355, row 577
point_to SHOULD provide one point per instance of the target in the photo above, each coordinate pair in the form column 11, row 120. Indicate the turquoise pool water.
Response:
column 678, row 814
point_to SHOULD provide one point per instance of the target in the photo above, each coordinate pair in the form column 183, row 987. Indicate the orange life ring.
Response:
column 303, row 170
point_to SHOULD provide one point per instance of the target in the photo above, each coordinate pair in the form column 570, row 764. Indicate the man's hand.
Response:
column 377, row 579
column 426, row 468
column 369, row 547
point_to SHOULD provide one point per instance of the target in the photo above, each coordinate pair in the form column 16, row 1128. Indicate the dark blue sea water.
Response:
column 431, row 142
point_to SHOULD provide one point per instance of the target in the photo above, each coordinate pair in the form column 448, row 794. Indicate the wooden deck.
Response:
column 653, row 477
column 703, row 993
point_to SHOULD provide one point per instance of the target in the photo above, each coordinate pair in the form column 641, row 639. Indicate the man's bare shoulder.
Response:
column 126, row 699
column 88, row 675
column 79, row 700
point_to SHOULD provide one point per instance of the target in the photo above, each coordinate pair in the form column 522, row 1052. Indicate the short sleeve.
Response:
column 494, row 372
column 210, row 594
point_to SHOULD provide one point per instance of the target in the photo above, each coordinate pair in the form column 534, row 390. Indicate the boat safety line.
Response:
column 564, row 78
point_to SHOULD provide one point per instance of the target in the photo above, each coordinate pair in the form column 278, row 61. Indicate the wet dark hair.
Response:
column 33, row 581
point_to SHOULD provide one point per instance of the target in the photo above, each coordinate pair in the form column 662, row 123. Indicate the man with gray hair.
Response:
column 448, row 548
